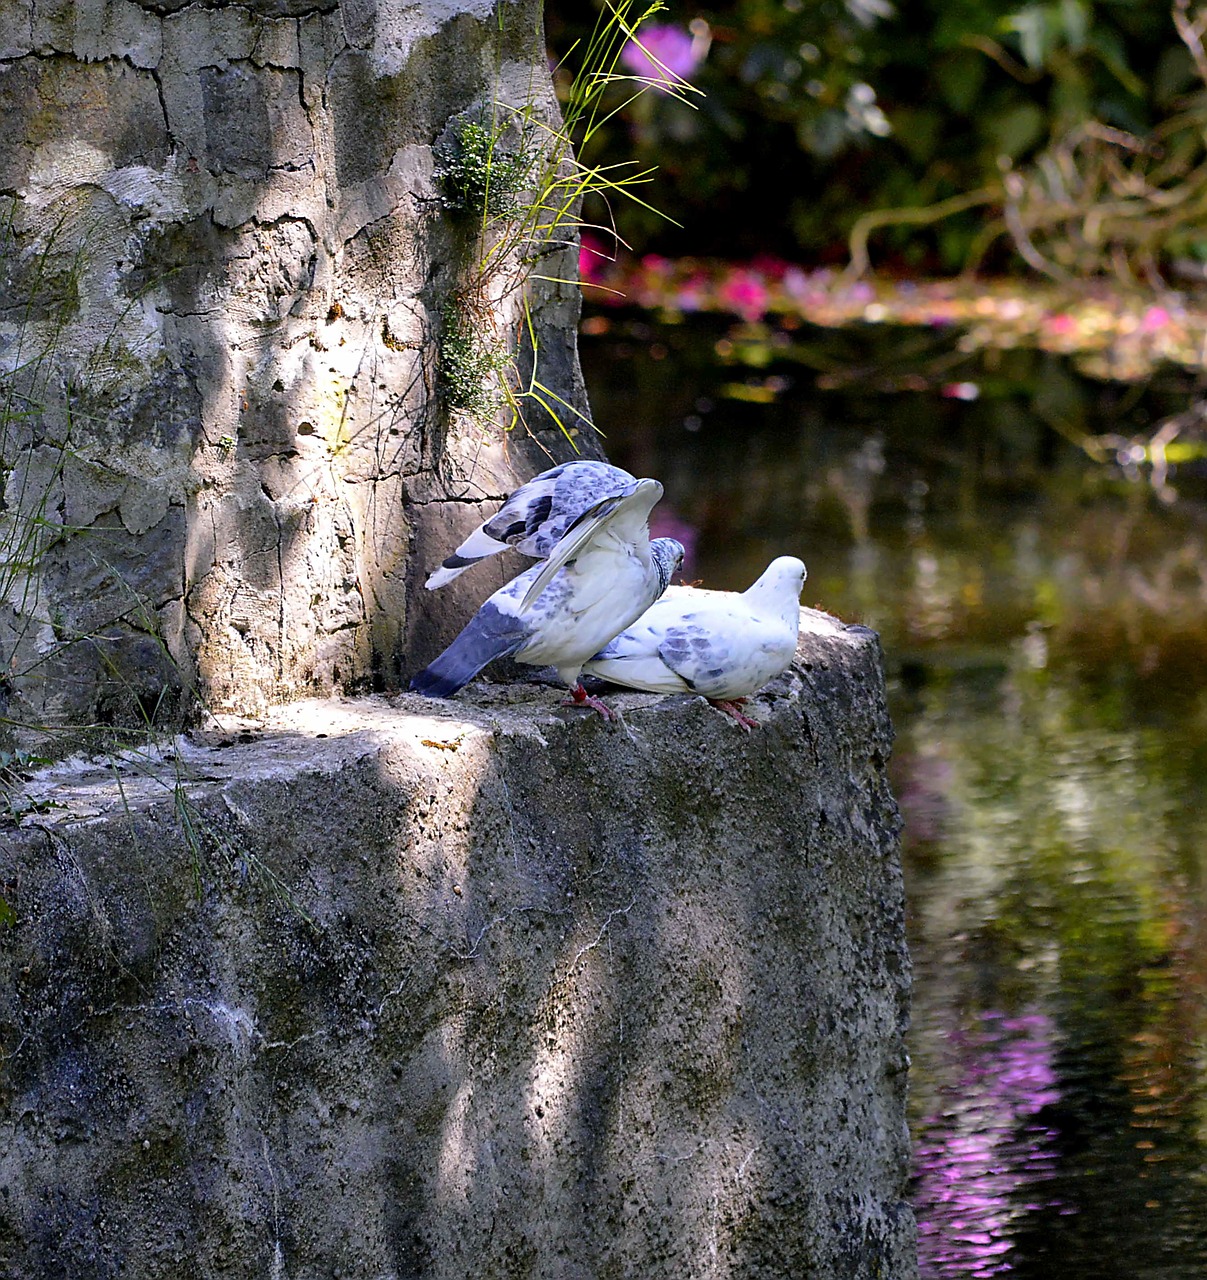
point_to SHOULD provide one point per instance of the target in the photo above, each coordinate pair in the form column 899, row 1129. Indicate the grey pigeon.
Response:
column 600, row 577
column 724, row 645
column 536, row 516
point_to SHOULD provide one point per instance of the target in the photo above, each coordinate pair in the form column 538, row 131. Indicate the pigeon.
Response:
column 536, row 516
column 602, row 575
column 722, row 644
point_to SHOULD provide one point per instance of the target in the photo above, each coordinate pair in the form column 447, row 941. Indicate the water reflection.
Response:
column 1046, row 626
column 1058, row 888
column 982, row 1159
column 941, row 522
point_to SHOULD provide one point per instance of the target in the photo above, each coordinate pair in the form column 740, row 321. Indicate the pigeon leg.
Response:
column 730, row 707
column 579, row 697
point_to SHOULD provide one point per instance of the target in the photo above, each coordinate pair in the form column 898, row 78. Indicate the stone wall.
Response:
column 484, row 988
column 225, row 266
column 380, row 987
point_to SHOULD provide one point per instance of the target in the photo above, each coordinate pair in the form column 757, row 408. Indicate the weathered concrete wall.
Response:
column 224, row 234
column 577, row 1002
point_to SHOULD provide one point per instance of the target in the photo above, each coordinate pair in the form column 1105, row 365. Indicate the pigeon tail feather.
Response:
column 489, row 634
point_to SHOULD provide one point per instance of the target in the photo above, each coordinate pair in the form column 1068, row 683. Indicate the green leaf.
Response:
column 961, row 77
column 1174, row 75
column 919, row 131
column 1071, row 103
column 1108, row 44
column 1017, row 129
column 8, row 917
column 1076, row 22
column 1031, row 27
column 1060, row 398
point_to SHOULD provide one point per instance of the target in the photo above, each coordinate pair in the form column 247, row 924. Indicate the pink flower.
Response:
column 960, row 391
column 677, row 50
column 797, row 285
column 656, row 266
column 1060, row 323
column 593, row 259
column 1154, row 318
column 745, row 293
column 692, row 293
column 769, row 266
column 650, row 282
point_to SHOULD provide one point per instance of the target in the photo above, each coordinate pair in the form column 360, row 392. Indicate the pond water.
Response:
column 1045, row 626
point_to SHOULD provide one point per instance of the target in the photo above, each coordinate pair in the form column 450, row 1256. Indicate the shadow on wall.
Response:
column 240, row 423
column 572, row 1002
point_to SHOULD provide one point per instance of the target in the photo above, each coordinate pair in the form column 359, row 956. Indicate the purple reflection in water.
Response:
column 924, row 784
column 975, row 1160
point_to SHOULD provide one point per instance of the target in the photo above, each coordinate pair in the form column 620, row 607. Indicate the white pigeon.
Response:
column 536, row 516
column 724, row 645
column 601, row 576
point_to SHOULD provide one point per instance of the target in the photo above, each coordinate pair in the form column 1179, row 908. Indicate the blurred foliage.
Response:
column 816, row 111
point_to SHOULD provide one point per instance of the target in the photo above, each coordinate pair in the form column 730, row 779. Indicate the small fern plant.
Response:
column 477, row 174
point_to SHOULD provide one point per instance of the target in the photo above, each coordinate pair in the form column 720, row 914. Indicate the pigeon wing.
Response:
column 632, row 658
column 575, row 488
column 716, row 643
column 536, row 515
column 626, row 514
column 531, row 508
column 700, row 654
column 730, row 650
column 684, row 643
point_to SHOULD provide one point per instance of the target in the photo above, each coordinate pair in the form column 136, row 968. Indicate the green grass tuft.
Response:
column 524, row 178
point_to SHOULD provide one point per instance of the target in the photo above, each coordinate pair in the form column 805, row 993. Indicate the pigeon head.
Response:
column 668, row 559
column 781, row 583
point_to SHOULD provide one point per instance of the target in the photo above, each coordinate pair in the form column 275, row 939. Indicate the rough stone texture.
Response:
column 224, row 230
column 578, row 1002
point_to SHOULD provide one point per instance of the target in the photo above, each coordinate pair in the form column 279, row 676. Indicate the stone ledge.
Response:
column 538, row 997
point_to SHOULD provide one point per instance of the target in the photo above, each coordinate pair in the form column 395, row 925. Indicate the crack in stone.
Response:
column 164, row 11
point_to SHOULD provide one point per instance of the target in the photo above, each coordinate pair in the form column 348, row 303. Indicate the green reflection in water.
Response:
column 1045, row 626
column 1055, row 861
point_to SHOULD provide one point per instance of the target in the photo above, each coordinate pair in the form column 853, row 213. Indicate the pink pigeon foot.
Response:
column 579, row 697
column 730, row 707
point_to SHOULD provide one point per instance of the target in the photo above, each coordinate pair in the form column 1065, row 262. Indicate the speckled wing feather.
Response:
column 536, row 516
column 670, row 650
column 626, row 515
column 703, row 654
